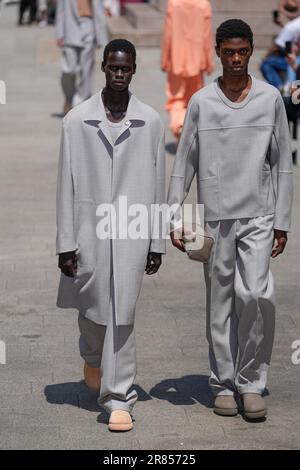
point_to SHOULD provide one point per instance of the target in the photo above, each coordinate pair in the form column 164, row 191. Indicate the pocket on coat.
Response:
column 84, row 277
column 86, row 253
column 86, row 288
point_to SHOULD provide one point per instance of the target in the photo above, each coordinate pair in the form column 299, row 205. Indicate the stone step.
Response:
column 229, row 5
column 144, row 16
column 144, row 22
column 261, row 24
column 263, row 28
column 159, row 4
column 119, row 27
column 242, row 6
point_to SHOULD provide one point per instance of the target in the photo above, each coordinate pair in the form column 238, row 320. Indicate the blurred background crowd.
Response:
column 43, row 11
column 186, row 39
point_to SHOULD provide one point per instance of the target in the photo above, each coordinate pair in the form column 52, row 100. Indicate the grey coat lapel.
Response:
column 133, row 119
column 99, row 121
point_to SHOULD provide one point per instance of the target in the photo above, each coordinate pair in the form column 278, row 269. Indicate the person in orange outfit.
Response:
column 187, row 53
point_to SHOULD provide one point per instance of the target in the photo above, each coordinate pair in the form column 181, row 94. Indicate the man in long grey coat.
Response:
column 80, row 27
column 112, row 149
column 236, row 140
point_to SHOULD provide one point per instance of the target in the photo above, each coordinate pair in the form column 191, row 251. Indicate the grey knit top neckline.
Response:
column 230, row 103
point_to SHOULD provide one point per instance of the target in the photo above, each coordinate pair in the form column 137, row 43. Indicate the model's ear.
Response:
column 102, row 66
column 134, row 69
column 217, row 49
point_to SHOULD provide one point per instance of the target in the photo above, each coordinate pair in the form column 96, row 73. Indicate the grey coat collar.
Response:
column 98, row 118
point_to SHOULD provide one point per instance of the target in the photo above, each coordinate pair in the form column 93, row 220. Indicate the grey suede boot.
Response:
column 254, row 406
column 225, row 405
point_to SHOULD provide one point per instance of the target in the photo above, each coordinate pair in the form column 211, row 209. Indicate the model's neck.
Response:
column 113, row 98
column 235, row 84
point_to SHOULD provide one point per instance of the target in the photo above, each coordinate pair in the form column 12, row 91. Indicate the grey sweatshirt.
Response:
column 240, row 154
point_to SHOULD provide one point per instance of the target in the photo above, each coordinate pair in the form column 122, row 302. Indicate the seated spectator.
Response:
column 292, row 103
column 289, row 8
column 275, row 65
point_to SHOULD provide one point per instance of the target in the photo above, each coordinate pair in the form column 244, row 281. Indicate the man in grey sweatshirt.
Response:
column 236, row 141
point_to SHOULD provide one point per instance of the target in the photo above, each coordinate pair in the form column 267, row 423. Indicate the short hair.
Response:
column 234, row 29
column 117, row 45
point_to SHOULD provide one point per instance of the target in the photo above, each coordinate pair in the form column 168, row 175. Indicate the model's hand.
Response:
column 60, row 42
column 67, row 262
column 281, row 240
column 153, row 263
column 177, row 239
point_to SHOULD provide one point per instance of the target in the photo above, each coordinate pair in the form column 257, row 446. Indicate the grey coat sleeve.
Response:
column 158, row 241
column 65, row 240
column 100, row 23
column 282, row 169
column 59, row 19
column 185, row 165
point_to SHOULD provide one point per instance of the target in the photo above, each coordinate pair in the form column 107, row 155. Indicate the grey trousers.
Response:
column 77, row 66
column 113, row 349
column 240, row 305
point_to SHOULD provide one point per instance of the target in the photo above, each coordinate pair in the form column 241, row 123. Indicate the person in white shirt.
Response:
column 275, row 65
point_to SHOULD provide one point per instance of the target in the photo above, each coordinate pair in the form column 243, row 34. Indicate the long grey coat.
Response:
column 68, row 23
column 93, row 171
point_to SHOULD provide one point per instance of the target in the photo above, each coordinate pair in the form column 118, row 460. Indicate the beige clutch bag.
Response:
column 198, row 243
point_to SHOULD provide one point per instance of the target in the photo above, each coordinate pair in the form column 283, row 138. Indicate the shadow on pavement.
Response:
column 72, row 393
column 184, row 391
column 79, row 395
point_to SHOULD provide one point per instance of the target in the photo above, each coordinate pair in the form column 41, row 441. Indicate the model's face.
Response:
column 235, row 54
column 118, row 70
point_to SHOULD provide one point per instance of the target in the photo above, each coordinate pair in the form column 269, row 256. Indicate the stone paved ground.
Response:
column 43, row 402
